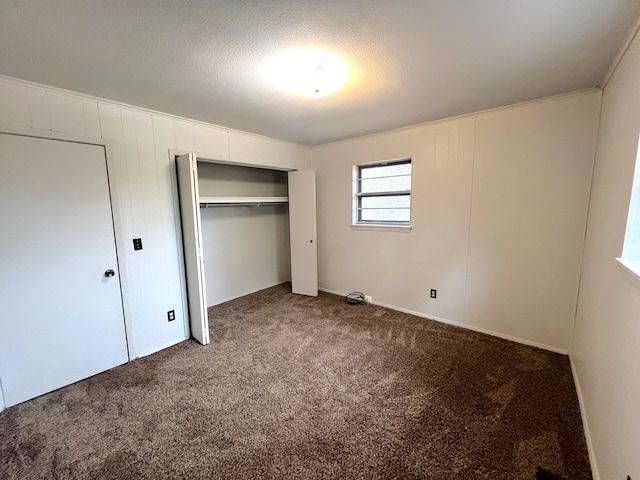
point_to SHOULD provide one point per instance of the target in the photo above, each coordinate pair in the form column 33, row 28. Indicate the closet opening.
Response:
column 244, row 228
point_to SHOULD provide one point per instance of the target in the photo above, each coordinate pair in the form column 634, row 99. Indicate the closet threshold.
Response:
column 241, row 201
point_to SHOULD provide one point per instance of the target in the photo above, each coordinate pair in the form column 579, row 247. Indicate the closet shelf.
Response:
column 240, row 201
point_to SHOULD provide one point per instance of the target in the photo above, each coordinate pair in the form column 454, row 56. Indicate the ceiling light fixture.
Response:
column 312, row 74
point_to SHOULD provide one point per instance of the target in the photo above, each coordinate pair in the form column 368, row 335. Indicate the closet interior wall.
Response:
column 245, row 248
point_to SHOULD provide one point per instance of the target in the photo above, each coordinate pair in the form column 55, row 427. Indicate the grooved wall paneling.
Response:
column 498, row 214
column 144, row 176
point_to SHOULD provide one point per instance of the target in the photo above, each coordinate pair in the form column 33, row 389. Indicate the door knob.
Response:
column 109, row 273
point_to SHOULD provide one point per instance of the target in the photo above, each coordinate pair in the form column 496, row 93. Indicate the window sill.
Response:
column 631, row 266
column 382, row 228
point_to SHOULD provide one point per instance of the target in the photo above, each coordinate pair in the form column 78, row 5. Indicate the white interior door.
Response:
column 302, row 227
column 62, row 317
column 187, row 166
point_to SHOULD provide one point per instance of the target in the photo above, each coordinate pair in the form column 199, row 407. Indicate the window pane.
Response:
column 383, row 171
column 382, row 215
column 386, row 184
column 631, row 248
column 386, row 202
column 378, row 179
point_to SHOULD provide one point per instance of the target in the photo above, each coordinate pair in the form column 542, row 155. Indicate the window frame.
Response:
column 630, row 256
column 358, row 195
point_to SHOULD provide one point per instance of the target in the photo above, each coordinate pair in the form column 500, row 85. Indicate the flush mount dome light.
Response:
column 314, row 75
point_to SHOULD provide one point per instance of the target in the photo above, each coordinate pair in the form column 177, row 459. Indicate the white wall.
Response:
column 145, row 178
column 499, row 205
column 246, row 249
column 606, row 346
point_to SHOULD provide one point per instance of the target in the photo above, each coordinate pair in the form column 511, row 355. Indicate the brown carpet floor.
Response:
column 309, row 388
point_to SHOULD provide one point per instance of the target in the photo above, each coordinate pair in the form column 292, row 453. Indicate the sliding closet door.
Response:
column 187, row 167
column 302, row 226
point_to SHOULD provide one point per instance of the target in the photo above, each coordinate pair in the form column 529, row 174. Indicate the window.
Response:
column 382, row 193
column 631, row 248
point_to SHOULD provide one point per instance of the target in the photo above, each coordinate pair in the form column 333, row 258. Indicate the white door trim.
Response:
column 173, row 153
column 201, row 157
column 115, row 194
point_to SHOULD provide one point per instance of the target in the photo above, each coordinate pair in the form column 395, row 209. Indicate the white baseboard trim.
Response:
column 218, row 302
column 163, row 346
column 462, row 325
column 585, row 425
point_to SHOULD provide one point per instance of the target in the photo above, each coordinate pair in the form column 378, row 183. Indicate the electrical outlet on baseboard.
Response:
column 368, row 298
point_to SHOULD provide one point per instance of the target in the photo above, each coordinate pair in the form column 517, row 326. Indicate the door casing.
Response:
column 204, row 157
column 115, row 195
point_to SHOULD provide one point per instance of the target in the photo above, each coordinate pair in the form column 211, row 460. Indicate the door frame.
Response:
column 116, row 215
column 211, row 158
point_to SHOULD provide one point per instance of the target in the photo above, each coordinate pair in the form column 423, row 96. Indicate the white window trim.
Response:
column 632, row 267
column 382, row 226
column 378, row 227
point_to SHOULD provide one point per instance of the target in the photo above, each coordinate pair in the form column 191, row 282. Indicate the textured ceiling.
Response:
column 410, row 61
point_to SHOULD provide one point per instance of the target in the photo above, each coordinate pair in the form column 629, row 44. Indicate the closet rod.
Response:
column 243, row 204
column 241, row 201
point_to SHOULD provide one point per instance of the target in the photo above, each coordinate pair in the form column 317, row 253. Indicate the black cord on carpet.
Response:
column 355, row 298
column 543, row 474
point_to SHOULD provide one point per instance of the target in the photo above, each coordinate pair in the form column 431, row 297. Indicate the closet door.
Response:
column 302, row 227
column 187, row 167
